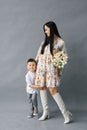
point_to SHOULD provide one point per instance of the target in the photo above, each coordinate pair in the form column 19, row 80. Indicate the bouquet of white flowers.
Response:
column 60, row 59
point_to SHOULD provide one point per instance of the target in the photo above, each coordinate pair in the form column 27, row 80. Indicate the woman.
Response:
column 47, row 75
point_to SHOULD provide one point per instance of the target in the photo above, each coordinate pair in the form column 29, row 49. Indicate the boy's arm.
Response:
column 34, row 86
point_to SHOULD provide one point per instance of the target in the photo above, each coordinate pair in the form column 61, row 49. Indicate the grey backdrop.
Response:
column 21, row 33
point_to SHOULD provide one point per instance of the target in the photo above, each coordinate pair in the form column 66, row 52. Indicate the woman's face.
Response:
column 47, row 30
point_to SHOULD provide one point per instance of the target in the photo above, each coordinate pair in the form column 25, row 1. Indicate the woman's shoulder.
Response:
column 60, row 40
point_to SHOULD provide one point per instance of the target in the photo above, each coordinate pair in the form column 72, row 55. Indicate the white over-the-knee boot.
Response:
column 45, row 114
column 66, row 114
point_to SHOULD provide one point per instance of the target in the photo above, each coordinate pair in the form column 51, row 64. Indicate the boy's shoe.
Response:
column 35, row 115
column 30, row 116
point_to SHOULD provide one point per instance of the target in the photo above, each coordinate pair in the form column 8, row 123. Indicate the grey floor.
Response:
column 21, row 24
column 14, row 111
column 15, row 118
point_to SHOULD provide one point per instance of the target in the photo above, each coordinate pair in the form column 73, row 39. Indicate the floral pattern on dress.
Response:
column 47, row 73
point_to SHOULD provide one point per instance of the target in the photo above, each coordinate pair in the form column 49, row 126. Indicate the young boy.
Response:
column 32, row 92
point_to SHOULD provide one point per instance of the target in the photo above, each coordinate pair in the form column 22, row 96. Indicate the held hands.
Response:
column 34, row 86
column 39, row 87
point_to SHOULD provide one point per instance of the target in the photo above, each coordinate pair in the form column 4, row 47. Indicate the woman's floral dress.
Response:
column 47, row 73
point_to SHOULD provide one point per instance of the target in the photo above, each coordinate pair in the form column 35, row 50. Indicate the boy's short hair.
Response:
column 31, row 60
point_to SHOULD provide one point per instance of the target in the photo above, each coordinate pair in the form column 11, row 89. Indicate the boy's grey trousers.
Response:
column 32, row 102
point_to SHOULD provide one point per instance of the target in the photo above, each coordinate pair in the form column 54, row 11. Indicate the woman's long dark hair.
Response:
column 50, row 40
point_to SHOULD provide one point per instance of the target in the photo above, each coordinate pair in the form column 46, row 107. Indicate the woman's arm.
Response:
column 60, row 46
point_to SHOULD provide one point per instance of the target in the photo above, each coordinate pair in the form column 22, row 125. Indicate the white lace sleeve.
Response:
column 60, row 45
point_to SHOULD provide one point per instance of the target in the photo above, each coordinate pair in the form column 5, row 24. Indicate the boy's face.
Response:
column 31, row 66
